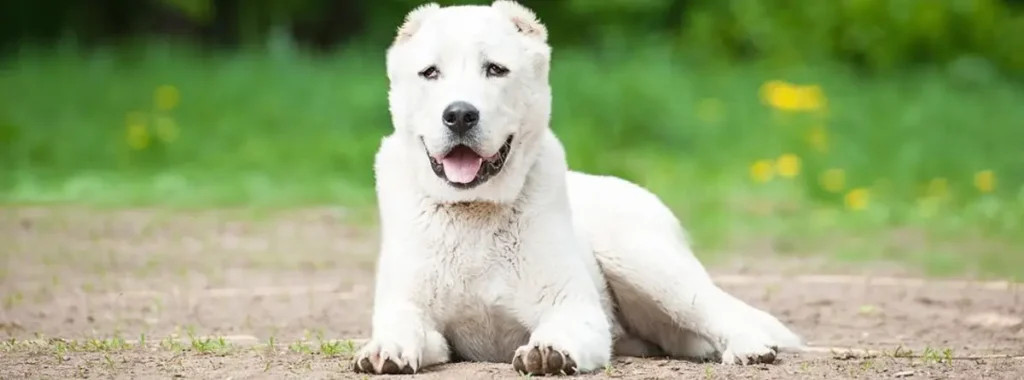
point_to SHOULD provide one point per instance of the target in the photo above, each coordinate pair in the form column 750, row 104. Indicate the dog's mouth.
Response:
column 464, row 168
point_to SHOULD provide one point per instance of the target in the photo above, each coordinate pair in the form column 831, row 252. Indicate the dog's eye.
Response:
column 495, row 70
column 430, row 73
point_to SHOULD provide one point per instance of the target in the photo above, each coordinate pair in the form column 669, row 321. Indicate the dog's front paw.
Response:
column 543, row 359
column 749, row 349
column 386, row 358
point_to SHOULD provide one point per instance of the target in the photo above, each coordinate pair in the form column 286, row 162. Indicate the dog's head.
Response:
column 469, row 88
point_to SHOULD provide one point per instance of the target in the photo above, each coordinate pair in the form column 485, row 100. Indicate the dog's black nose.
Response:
column 460, row 117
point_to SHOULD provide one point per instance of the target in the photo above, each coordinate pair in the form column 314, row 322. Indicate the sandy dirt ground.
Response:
column 140, row 294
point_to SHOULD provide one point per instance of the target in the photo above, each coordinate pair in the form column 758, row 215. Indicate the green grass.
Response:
column 258, row 130
column 216, row 345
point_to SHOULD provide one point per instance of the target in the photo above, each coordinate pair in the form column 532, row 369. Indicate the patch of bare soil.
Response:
column 143, row 294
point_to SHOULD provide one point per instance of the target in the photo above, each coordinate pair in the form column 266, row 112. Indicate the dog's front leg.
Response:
column 405, row 338
column 402, row 343
column 570, row 332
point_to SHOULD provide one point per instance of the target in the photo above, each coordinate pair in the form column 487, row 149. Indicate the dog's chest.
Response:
column 475, row 243
column 478, row 266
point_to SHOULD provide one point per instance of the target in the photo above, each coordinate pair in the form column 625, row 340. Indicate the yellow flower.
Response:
column 166, row 97
column 856, row 199
column 788, row 97
column 985, row 181
column 709, row 110
column 938, row 188
column 166, row 129
column 783, row 96
column 761, row 171
column 788, row 165
column 817, row 138
column 833, row 180
column 137, row 136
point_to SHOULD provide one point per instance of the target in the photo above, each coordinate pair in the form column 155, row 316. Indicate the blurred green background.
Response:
column 860, row 130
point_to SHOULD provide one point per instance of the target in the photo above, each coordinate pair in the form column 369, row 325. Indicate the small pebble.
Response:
column 903, row 374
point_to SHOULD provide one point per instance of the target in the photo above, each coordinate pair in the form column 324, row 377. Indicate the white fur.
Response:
column 537, row 256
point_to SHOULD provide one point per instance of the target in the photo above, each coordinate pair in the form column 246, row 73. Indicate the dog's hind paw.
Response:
column 749, row 349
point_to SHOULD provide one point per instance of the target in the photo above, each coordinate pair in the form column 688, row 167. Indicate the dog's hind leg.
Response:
column 650, row 331
column 668, row 299
column 663, row 293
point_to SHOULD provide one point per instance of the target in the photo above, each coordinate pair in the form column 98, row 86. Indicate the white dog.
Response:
column 492, row 250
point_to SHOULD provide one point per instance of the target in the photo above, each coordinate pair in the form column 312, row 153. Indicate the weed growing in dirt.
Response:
column 9, row 345
column 709, row 372
column 60, row 351
column 271, row 344
column 172, row 343
column 300, row 347
column 330, row 347
column 209, row 345
column 868, row 310
column 336, row 348
column 931, row 355
column 106, row 345
column 928, row 355
column 867, row 364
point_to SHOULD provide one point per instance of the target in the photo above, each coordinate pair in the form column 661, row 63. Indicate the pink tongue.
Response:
column 461, row 165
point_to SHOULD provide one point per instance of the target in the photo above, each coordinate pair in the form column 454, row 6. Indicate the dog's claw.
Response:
column 543, row 360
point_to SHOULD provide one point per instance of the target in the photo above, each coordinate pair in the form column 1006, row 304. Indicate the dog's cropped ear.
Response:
column 523, row 18
column 413, row 20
